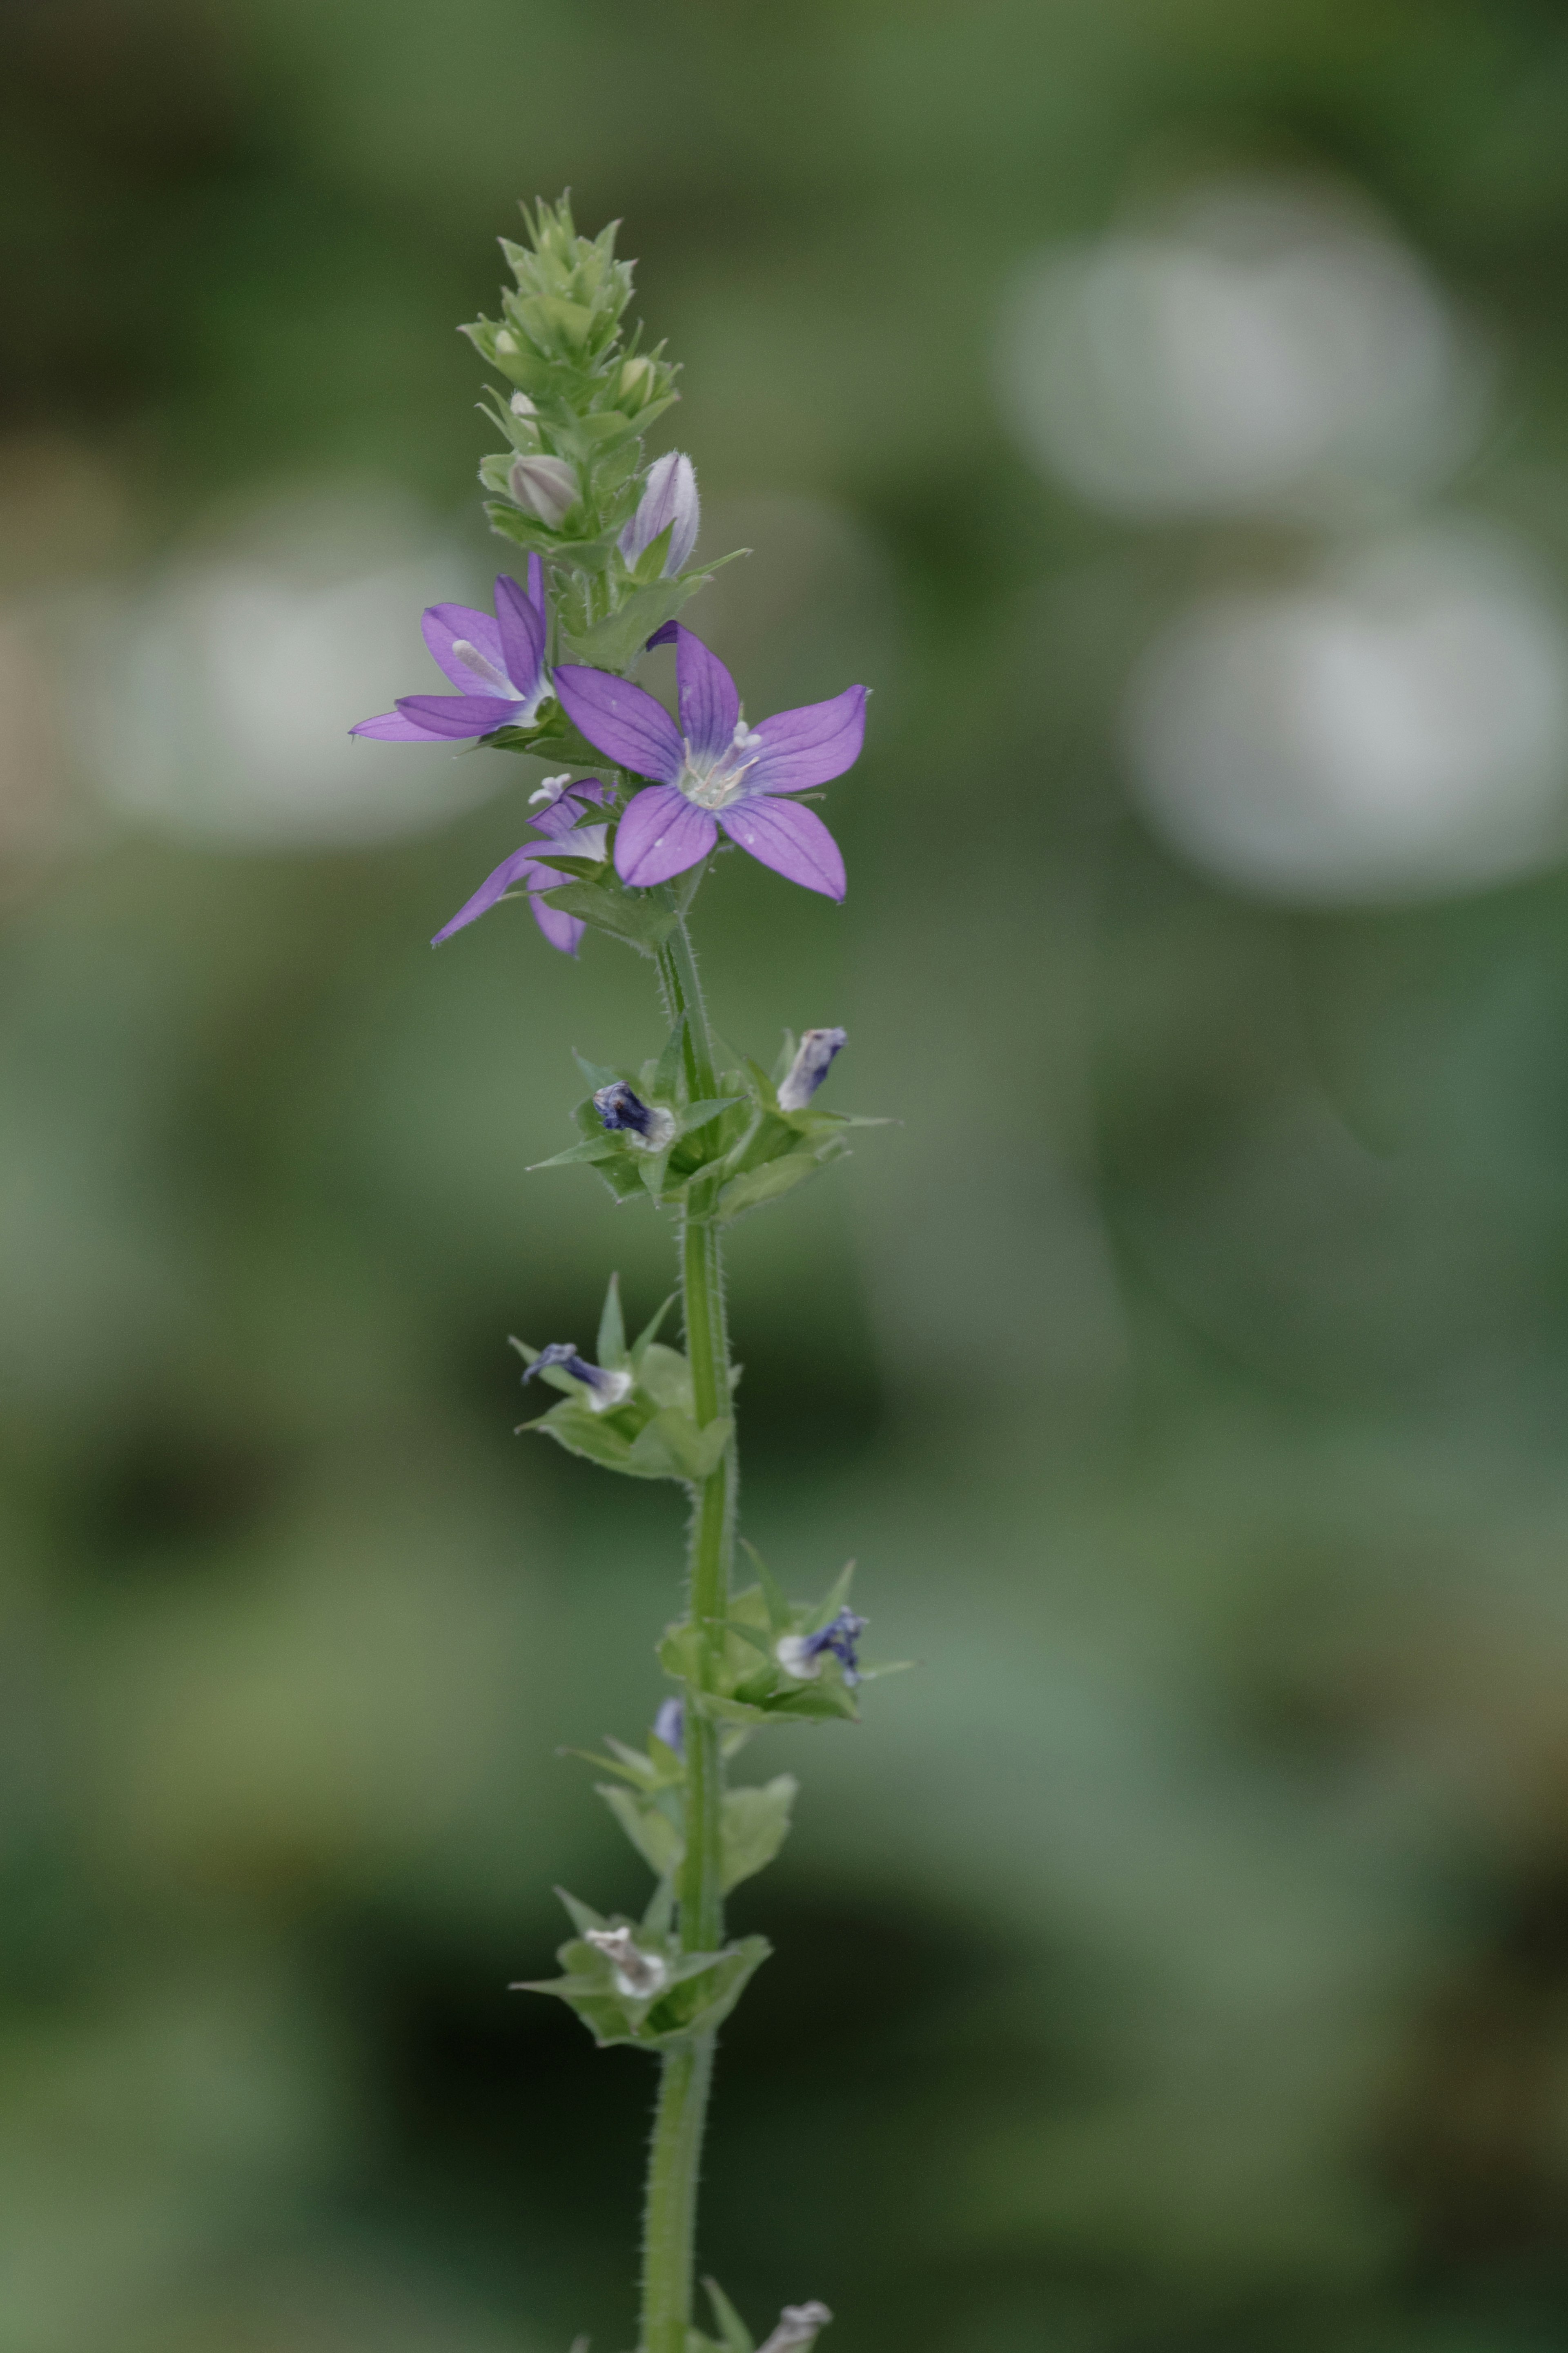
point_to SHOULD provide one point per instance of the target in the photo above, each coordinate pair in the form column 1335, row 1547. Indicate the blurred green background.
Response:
column 1164, row 405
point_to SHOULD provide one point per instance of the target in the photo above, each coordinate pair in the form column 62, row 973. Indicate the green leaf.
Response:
column 611, row 1344
column 755, row 1824
column 755, row 1186
column 673, row 1440
column 733, row 2330
column 647, row 1335
column 648, row 1827
column 615, row 642
column 642, row 918
column 781, row 1618
column 603, row 1147
column 698, row 1114
column 583, row 1916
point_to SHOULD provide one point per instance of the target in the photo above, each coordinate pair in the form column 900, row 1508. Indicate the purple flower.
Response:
column 715, row 771
column 801, row 1655
column 669, row 1725
column 668, row 503
column 563, row 804
column 810, row 1067
column 605, row 1388
column 499, row 664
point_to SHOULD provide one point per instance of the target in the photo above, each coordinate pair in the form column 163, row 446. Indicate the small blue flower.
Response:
column 801, row 1655
column 669, row 502
column 669, row 1726
column 605, row 1388
column 810, row 1067
column 622, row 1111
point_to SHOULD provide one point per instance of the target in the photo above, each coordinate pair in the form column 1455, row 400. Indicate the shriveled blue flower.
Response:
column 498, row 662
column 669, row 1726
column 625, row 1112
column 605, row 1388
column 562, row 805
column 713, row 771
column 801, row 1655
column 668, row 503
column 812, row 1061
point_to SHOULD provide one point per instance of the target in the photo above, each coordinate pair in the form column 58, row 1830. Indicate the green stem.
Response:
column 670, row 2238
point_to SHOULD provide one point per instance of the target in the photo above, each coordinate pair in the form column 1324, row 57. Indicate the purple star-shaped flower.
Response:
column 498, row 662
column 713, row 770
column 562, row 805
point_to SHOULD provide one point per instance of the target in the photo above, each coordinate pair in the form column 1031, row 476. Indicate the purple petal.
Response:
column 562, row 930
column 810, row 746
column 536, row 582
column 393, row 728
column 458, row 714
column 625, row 724
column 668, row 503
column 444, row 625
column 521, row 627
column 520, row 866
column 661, row 834
column 793, row 840
column 710, row 705
column 559, row 817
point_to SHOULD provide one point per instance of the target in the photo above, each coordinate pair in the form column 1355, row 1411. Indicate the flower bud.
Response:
column 798, row 2324
column 546, row 488
column 605, row 1388
column 638, row 1974
column 521, row 405
column 636, row 380
column 648, row 1125
column 506, row 343
column 810, row 1067
column 668, row 503
column 669, row 1726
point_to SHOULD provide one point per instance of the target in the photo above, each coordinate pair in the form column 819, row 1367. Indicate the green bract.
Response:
column 700, row 1991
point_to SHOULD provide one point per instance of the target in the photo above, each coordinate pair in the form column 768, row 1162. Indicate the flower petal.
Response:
column 622, row 720
column 710, row 703
column 809, row 746
column 520, row 866
column 560, row 815
column 661, row 834
column 536, row 582
column 458, row 714
column 562, row 930
column 393, row 728
column 522, row 627
column 793, row 840
column 444, row 625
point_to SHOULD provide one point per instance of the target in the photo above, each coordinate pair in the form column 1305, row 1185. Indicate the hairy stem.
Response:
column 669, row 2240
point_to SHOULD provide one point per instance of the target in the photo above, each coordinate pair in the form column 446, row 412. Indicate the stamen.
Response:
column 483, row 667
column 550, row 789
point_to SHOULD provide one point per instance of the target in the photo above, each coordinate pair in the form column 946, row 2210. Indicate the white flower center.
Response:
column 712, row 781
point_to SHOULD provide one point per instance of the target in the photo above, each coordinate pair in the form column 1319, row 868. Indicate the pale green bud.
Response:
column 546, row 488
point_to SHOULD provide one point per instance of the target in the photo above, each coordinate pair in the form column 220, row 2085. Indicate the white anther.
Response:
column 550, row 789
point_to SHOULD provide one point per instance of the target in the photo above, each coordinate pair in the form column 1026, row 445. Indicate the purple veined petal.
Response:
column 661, row 834
column 668, row 503
column 810, row 746
column 622, row 720
column 446, row 626
column 586, row 841
column 520, row 866
column 521, row 627
column 793, row 840
column 559, row 817
column 458, row 714
column 562, row 930
column 536, row 583
column 710, row 703
column 392, row 727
